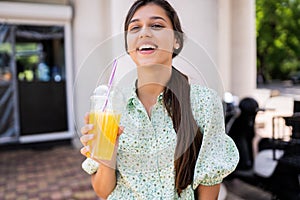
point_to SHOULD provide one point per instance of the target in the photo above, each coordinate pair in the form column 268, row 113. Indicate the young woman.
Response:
column 173, row 145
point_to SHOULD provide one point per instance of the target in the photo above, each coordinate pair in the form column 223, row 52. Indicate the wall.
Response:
column 91, row 26
column 243, row 47
column 224, row 45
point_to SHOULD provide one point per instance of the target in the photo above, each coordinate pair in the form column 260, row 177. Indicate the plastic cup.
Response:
column 105, row 124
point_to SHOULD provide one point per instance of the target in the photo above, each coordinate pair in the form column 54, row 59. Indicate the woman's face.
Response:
column 150, row 36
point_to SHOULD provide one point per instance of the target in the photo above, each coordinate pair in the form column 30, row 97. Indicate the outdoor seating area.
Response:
column 266, row 132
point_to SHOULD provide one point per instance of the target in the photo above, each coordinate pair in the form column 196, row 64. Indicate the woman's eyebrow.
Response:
column 134, row 20
column 158, row 17
column 152, row 18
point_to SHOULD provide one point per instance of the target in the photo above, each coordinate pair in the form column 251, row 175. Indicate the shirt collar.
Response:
column 133, row 99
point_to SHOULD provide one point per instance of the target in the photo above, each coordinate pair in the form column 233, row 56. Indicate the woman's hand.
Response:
column 104, row 180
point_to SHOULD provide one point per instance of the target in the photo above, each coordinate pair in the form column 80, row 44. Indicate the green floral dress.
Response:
column 145, row 158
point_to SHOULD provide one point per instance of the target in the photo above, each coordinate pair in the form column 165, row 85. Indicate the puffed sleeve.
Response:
column 218, row 155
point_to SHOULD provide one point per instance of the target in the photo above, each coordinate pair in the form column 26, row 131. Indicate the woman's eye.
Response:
column 157, row 26
column 134, row 29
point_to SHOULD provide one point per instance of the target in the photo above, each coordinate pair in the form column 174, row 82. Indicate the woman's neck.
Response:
column 151, row 82
column 153, row 79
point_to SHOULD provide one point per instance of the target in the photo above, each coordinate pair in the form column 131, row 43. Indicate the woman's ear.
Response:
column 176, row 44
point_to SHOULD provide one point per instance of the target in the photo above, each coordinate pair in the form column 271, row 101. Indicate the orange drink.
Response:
column 105, row 129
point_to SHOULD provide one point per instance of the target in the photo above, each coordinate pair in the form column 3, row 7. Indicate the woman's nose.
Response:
column 145, row 32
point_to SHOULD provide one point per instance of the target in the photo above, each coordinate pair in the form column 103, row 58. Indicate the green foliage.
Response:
column 278, row 37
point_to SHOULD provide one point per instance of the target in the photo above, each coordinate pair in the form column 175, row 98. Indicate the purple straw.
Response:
column 111, row 78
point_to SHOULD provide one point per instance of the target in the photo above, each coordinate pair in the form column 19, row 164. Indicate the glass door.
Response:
column 41, row 79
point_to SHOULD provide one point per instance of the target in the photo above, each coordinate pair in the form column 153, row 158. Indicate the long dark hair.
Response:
column 176, row 99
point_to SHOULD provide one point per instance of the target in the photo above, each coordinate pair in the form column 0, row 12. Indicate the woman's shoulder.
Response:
column 203, row 92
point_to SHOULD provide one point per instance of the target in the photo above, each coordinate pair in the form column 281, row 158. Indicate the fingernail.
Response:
column 90, row 136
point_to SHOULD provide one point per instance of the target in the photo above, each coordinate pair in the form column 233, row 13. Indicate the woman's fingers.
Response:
column 86, row 118
column 86, row 138
column 86, row 128
column 85, row 151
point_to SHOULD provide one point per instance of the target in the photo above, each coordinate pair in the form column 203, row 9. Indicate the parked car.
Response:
column 295, row 77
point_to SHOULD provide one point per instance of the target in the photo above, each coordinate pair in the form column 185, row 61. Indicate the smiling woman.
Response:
column 173, row 143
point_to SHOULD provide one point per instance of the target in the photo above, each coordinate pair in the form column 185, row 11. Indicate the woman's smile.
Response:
column 147, row 48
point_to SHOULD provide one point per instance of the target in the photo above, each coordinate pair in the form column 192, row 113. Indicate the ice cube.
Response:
column 101, row 90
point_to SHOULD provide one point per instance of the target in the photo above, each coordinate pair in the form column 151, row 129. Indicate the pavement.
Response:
column 49, row 173
column 54, row 173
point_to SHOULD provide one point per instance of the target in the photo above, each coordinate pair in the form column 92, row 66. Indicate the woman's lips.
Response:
column 147, row 49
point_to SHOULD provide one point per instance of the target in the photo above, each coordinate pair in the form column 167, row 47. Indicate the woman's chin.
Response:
column 152, row 63
column 146, row 62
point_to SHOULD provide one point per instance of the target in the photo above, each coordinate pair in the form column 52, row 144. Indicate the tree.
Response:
column 278, row 37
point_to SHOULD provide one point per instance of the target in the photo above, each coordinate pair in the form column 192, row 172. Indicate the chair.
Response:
column 294, row 122
column 241, row 130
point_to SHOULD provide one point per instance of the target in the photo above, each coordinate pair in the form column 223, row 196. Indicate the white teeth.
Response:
column 147, row 46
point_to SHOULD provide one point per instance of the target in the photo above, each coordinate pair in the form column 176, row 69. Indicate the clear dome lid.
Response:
column 115, row 100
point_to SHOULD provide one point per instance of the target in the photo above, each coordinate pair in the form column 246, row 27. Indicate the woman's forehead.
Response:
column 150, row 11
